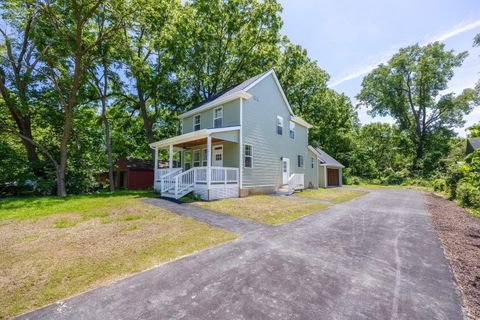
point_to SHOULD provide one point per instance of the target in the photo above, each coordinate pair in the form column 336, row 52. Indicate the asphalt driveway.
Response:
column 376, row 257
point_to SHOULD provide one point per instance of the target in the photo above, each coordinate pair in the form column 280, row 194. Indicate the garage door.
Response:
column 332, row 175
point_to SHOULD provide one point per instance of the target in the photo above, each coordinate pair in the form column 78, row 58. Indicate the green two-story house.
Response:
column 243, row 140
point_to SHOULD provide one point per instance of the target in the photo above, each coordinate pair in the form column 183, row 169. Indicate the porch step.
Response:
column 284, row 190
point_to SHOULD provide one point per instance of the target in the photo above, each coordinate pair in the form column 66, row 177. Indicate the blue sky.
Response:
column 348, row 38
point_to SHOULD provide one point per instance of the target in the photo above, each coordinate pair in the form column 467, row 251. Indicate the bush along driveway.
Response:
column 375, row 257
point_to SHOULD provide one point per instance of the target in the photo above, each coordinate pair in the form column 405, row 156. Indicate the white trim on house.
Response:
column 240, row 146
column 195, row 135
column 301, row 122
column 217, row 102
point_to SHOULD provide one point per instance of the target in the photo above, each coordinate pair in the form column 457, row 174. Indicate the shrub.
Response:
column 468, row 195
column 440, row 185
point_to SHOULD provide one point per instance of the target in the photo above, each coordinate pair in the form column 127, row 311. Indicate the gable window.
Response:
column 248, row 156
column 196, row 122
column 204, row 157
column 218, row 117
column 313, row 162
column 292, row 130
column 300, row 161
column 196, row 158
column 279, row 125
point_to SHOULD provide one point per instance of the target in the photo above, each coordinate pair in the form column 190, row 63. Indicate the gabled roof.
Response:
column 240, row 91
column 137, row 164
column 325, row 158
column 230, row 90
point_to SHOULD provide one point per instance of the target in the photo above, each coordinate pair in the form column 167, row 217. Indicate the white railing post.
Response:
column 209, row 160
column 176, row 186
column 170, row 157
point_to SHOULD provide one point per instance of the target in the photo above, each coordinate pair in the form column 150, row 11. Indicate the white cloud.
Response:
column 360, row 71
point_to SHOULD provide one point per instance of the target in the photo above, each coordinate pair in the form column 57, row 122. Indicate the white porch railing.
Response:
column 296, row 181
column 177, row 183
column 163, row 172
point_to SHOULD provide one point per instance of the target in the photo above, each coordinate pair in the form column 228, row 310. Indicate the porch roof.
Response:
column 197, row 137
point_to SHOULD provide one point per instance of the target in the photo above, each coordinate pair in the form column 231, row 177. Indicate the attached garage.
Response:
column 329, row 169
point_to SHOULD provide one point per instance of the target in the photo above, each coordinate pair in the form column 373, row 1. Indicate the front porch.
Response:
column 207, row 163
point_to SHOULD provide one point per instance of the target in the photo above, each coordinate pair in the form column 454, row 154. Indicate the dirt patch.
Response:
column 459, row 233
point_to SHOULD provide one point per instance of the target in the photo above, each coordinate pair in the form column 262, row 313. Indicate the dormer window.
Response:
column 196, row 122
column 279, row 125
column 218, row 117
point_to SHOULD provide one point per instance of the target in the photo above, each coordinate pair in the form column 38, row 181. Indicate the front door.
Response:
column 217, row 156
column 285, row 170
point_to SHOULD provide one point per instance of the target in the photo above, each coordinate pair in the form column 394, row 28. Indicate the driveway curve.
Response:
column 376, row 257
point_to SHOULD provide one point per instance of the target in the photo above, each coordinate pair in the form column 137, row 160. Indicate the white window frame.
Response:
column 185, row 158
column 292, row 130
column 199, row 122
column 247, row 156
column 298, row 161
column 204, row 157
column 216, row 118
column 313, row 162
column 279, row 125
column 196, row 151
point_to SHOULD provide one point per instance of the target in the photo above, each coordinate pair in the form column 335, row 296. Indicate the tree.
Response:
column 410, row 88
column 226, row 42
column 150, row 57
column 19, row 59
column 330, row 113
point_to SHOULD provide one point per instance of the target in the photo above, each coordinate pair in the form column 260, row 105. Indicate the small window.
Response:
column 279, row 125
column 218, row 117
column 204, row 158
column 196, row 122
column 196, row 158
column 248, row 156
column 292, row 130
column 300, row 161
column 313, row 162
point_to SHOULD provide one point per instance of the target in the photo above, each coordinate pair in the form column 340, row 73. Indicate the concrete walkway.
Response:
column 376, row 257
column 218, row 219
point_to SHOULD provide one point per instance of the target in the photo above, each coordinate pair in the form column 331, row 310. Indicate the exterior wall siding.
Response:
column 311, row 178
column 231, row 117
column 260, row 130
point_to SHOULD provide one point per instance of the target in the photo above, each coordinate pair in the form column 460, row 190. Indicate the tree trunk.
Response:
column 142, row 105
column 109, row 153
column 61, row 190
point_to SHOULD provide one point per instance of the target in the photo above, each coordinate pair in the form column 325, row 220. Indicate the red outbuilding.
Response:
column 132, row 173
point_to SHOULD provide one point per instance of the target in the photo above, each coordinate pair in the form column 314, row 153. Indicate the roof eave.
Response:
column 217, row 102
column 301, row 122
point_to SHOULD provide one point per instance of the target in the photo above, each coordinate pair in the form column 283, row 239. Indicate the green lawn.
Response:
column 52, row 248
column 336, row 195
column 264, row 208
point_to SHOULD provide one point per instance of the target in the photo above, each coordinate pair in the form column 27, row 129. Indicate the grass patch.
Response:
column 264, row 208
column 40, row 264
column 90, row 204
column 65, row 223
column 336, row 195
column 130, row 217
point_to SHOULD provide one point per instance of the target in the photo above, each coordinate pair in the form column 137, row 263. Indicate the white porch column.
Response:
column 325, row 176
column 209, row 160
column 155, row 165
column 170, row 156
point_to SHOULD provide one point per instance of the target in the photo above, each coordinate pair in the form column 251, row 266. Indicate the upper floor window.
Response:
column 218, row 117
column 279, row 125
column 248, row 156
column 196, row 122
column 300, row 161
column 292, row 130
